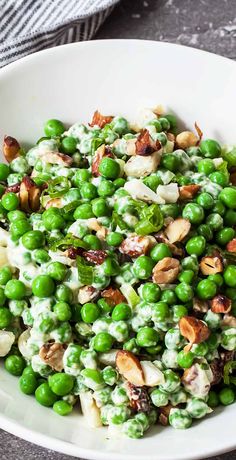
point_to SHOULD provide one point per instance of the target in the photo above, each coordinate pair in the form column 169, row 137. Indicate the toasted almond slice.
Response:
column 166, row 270
column 136, row 245
column 187, row 192
column 129, row 366
column 34, row 198
column 220, row 304
column 177, row 230
column 231, row 246
column 11, row 148
column 152, row 375
column 210, row 265
column 193, row 329
column 186, row 139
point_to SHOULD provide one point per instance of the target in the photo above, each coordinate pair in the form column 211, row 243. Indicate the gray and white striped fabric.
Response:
column 27, row 26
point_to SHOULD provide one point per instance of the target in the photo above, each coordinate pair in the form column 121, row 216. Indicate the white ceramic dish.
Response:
column 69, row 83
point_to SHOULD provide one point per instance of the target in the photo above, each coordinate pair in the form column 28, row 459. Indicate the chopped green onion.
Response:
column 151, row 220
column 228, row 369
column 67, row 242
column 57, row 187
column 85, row 272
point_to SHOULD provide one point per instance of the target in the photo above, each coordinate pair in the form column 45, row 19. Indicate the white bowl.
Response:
column 69, row 83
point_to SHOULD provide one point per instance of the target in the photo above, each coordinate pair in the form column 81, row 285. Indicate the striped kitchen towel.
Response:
column 27, row 26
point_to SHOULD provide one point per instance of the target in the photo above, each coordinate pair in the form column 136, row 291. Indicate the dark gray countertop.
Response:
column 205, row 24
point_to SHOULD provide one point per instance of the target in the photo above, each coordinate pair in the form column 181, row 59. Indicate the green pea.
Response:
column 122, row 311
column 157, row 124
column 15, row 289
column 103, row 342
column 206, row 289
column 15, row 364
column 40, row 256
column 68, row 145
column 4, row 171
column 16, row 215
column 230, row 292
column 160, row 311
column 57, row 271
column 110, row 266
column 170, row 162
column 178, row 312
column 165, row 124
column 5, row 275
column 185, row 359
column 230, row 275
column 84, row 211
column 54, row 128
column 194, row 213
column 5, row 317
column 93, row 242
column 228, row 197
column 170, row 210
column 168, row 296
column 152, row 181
column 217, row 278
column 33, row 239
column 64, row 293
column 2, row 297
column 119, row 182
column 184, row 292
column 205, row 200
column 173, row 122
column 215, row 221
column 28, row 383
column 109, row 168
column 100, row 207
column 28, row 370
column 196, row 245
column 90, row 312
column 114, row 239
column 213, row 341
column 225, row 235
column 142, row 267
column 10, row 201
column 43, row 286
column 61, row 384
column 210, row 148
column 106, row 188
column 200, row 349
column 19, row 228
column 147, row 337
column 151, row 292
column 44, row 395
column 213, row 399
column 227, row 396
column 62, row 407
column 131, row 345
column 219, row 208
column 88, row 191
column 205, row 231
column 159, row 398
column 133, row 428
column 186, row 276
column 62, row 311
column 180, row 419
column 190, row 263
column 206, row 166
column 110, row 375
column 53, row 219
column 81, row 175
column 105, row 306
column 230, row 218
column 220, row 178
column 160, row 251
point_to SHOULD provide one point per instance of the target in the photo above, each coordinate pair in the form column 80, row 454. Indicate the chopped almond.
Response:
column 186, row 139
column 228, row 321
column 231, row 246
column 177, row 230
column 130, row 368
column 52, row 355
column 210, row 265
column 221, row 304
column 11, row 148
column 166, row 271
column 135, row 245
column 193, row 329
column 187, row 192
column 100, row 120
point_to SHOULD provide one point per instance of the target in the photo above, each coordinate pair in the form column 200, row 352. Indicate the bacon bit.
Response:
column 187, row 192
column 177, row 230
column 228, row 321
column 164, row 414
column 72, row 252
column 100, row 120
column 139, row 398
column 176, row 251
column 100, row 153
column 11, row 148
column 231, row 246
column 52, row 355
column 129, row 367
column 193, row 329
column 186, row 139
column 54, row 203
column 199, row 132
column 13, row 188
column 135, row 246
column 29, row 195
column 113, row 296
column 166, row 270
column 200, row 306
column 220, row 304
column 87, row 293
column 144, row 145
column 95, row 256
column 210, row 265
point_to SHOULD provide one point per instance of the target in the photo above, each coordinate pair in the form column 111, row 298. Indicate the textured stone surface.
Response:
column 205, row 24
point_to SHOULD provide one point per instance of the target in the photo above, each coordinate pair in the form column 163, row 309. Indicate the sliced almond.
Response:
column 29, row 195
column 193, row 329
column 200, row 306
column 11, row 148
column 162, row 238
column 135, row 245
column 228, row 321
column 87, row 294
column 220, row 304
column 177, row 230
column 34, row 198
column 130, row 368
column 152, row 375
column 210, row 265
column 187, row 192
column 166, row 270
column 52, row 355
column 54, row 203
column 231, row 246
column 186, row 139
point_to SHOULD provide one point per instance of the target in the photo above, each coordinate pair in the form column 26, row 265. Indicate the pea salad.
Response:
column 118, row 271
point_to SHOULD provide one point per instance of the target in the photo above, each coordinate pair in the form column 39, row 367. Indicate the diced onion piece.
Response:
column 130, row 294
column 169, row 193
